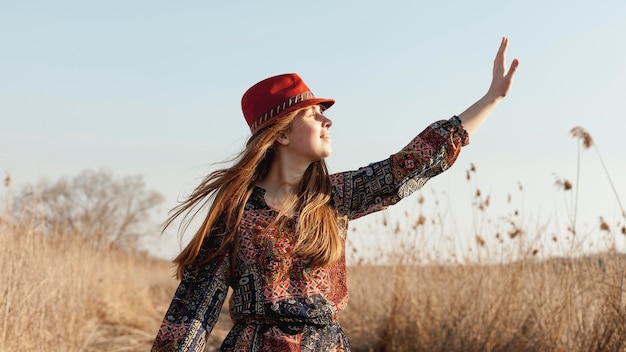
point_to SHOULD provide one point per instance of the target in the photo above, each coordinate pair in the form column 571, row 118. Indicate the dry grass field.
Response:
column 555, row 305
column 61, row 294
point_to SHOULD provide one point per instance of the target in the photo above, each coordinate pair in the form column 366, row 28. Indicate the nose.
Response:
column 326, row 122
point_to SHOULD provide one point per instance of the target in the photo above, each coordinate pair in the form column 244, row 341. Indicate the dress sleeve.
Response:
column 196, row 306
column 381, row 184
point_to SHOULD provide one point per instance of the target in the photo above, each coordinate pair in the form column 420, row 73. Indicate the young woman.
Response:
column 276, row 225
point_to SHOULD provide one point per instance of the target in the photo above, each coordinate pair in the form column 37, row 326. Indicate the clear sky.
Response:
column 154, row 88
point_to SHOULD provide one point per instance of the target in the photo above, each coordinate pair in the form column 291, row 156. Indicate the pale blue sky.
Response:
column 154, row 87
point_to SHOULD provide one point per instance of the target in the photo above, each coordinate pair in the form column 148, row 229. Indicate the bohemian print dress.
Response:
column 280, row 303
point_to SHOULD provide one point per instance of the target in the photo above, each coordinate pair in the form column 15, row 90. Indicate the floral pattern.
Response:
column 279, row 302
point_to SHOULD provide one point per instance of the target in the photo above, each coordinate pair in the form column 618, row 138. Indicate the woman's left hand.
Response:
column 502, row 80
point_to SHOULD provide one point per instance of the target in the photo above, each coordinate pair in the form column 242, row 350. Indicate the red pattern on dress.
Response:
column 279, row 303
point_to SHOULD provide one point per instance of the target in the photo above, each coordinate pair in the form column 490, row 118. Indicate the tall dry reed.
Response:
column 552, row 305
column 59, row 293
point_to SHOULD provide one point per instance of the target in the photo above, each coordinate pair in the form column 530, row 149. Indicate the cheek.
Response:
column 307, row 133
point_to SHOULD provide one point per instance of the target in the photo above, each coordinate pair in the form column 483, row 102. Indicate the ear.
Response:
column 282, row 139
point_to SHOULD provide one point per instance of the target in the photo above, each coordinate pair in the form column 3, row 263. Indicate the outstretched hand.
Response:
column 502, row 79
column 501, row 82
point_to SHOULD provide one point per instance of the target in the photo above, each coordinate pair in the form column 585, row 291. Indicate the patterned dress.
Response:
column 280, row 303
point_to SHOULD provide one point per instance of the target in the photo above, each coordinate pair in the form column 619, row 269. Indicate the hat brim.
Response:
column 324, row 102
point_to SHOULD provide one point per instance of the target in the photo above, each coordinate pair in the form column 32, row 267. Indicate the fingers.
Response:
column 502, row 78
column 499, row 61
column 502, row 49
column 499, row 65
column 503, row 44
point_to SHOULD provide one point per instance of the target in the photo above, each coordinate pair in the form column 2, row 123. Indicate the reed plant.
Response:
column 62, row 293
column 512, row 299
column 564, row 304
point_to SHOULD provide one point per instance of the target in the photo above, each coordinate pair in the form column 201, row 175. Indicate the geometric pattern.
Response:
column 280, row 302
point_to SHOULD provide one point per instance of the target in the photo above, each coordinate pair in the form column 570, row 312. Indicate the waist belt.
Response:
column 290, row 327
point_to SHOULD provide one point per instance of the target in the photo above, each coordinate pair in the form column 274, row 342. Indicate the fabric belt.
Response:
column 290, row 327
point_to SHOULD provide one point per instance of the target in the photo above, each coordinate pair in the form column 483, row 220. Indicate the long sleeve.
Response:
column 196, row 306
column 381, row 184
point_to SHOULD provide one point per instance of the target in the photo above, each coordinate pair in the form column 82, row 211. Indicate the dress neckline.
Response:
column 258, row 199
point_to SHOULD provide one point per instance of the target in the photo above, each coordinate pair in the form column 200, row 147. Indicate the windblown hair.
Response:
column 227, row 191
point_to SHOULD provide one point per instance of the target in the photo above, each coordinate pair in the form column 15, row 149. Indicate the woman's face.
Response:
column 309, row 135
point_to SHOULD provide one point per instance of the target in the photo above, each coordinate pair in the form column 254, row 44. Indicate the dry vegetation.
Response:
column 62, row 293
column 554, row 305
column 59, row 293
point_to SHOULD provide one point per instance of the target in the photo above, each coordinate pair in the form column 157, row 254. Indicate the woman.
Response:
column 276, row 227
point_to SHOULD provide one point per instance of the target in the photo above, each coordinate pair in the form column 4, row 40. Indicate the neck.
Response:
column 281, row 184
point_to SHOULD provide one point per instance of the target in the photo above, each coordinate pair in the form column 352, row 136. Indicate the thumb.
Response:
column 513, row 68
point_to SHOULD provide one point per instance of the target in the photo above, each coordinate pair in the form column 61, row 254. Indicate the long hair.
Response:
column 226, row 192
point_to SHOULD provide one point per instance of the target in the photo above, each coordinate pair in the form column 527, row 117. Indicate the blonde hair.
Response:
column 227, row 191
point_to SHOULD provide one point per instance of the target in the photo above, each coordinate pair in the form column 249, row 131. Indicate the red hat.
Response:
column 277, row 96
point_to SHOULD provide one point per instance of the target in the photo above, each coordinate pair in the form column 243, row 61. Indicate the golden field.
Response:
column 66, row 291
column 59, row 293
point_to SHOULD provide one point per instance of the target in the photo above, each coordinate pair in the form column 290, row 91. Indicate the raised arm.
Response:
column 381, row 184
column 501, row 82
